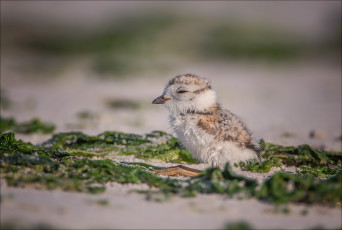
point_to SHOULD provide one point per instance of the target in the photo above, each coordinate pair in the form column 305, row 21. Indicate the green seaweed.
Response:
column 240, row 40
column 102, row 202
column 322, row 172
column 142, row 165
column 5, row 102
column 123, row 104
column 154, row 145
column 259, row 166
column 213, row 180
column 239, row 225
column 87, row 115
column 299, row 155
column 56, row 165
column 318, row 163
column 19, row 224
column 33, row 126
column 126, row 35
column 116, row 48
column 319, row 227
column 131, row 43
column 243, row 225
column 22, row 164
column 285, row 187
column 7, row 124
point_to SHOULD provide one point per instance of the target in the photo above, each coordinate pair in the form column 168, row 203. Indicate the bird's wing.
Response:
column 225, row 126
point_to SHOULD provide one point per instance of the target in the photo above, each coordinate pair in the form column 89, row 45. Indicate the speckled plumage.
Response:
column 212, row 134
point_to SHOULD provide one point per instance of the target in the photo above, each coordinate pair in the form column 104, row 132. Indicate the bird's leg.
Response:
column 178, row 170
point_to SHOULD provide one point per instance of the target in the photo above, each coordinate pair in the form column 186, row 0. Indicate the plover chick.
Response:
column 212, row 134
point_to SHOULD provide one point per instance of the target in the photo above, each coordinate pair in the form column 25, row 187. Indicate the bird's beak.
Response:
column 160, row 100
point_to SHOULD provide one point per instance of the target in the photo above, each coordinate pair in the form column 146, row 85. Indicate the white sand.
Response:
column 124, row 210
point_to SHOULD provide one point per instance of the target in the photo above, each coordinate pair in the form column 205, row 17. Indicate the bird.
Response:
column 211, row 133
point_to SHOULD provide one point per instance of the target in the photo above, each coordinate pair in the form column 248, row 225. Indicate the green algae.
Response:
column 25, row 164
column 19, row 224
column 239, row 225
column 284, row 187
column 210, row 181
column 155, row 145
column 102, row 202
column 259, row 166
column 248, row 41
column 115, row 49
column 33, row 126
column 123, row 104
column 113, row 38
column 213, row 180
column 5, row 102
column 321, row 172
column 300, row 155
column 57, row 165
column 318, row 163
column 87, row 115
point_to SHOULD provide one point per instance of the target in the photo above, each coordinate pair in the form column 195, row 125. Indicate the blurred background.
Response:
column 95, row 66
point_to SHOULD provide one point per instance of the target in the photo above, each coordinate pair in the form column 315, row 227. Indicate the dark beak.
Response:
column 160, row 100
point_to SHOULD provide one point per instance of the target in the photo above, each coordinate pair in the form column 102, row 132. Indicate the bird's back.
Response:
column 226, row 126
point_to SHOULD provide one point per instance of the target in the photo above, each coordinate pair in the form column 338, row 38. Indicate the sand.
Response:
column 119, row 209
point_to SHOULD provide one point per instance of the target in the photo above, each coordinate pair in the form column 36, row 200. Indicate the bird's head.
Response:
column 187, row 92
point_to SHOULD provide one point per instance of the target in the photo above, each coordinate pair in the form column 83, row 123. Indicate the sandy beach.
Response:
column 288, row 104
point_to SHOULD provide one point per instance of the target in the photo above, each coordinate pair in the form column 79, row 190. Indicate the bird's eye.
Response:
column 182, row 90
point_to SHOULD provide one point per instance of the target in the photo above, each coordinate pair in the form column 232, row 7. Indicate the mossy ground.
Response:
column 33, row 126
column 310, row 161
column 66, row 162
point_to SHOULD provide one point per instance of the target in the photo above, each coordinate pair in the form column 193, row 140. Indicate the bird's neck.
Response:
column 209, row 111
